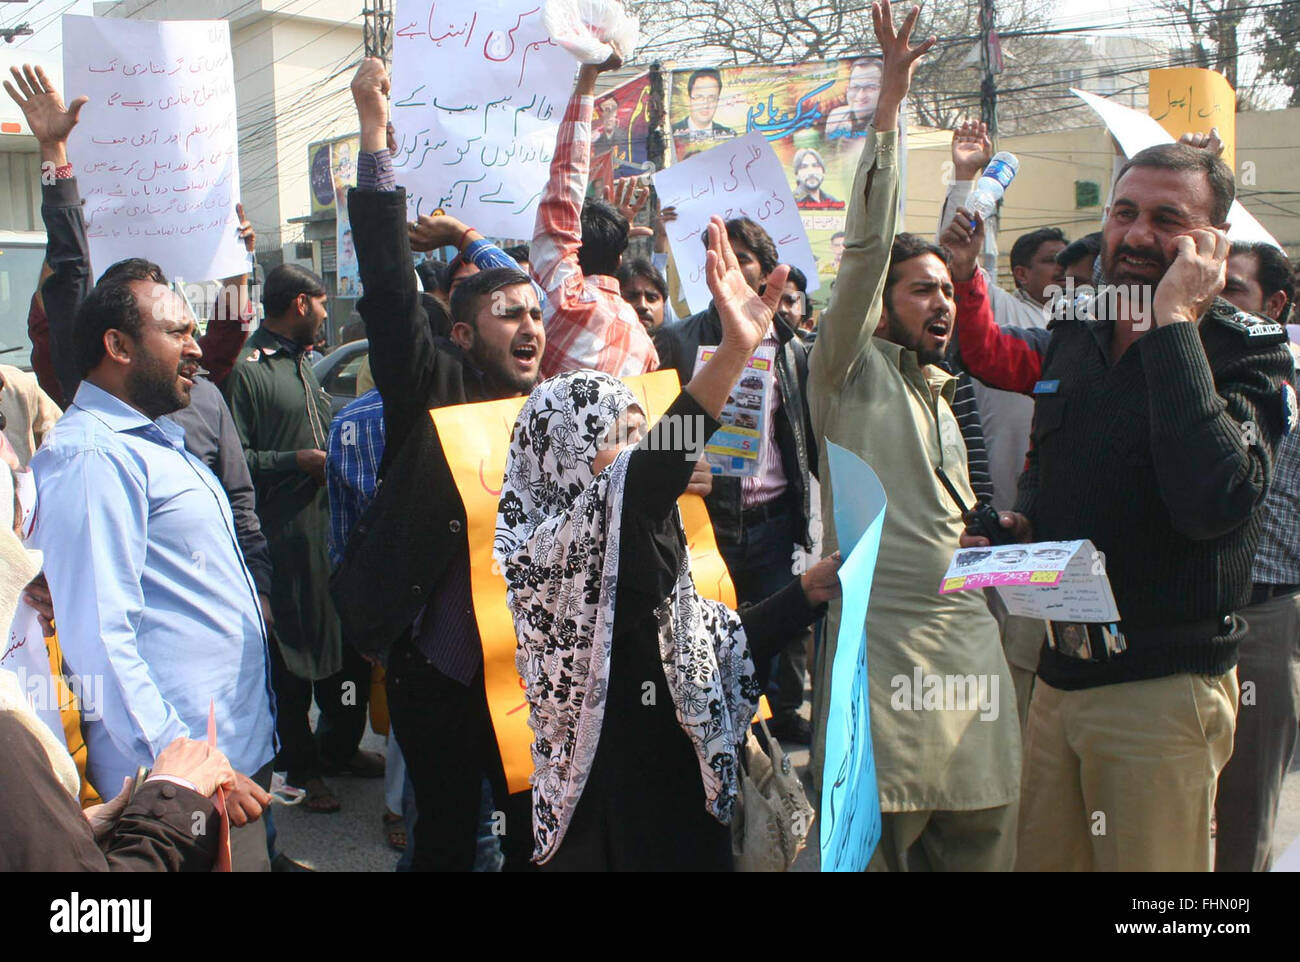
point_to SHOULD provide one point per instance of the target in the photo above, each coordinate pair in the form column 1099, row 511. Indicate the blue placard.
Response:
column 850, row 800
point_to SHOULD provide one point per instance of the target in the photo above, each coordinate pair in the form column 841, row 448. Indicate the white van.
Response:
column 21, row 254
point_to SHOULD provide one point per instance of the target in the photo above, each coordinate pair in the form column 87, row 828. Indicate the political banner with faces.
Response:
column 814, row 115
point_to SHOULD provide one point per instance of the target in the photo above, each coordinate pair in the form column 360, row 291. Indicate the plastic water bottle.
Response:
column 997, row 177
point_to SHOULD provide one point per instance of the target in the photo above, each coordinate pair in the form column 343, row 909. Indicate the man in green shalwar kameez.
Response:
column 283, row 419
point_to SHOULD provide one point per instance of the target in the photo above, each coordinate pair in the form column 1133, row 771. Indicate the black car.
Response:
column 337, row 372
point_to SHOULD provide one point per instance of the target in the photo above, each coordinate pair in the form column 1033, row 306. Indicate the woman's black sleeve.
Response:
column 661, row 466
column 771, row 623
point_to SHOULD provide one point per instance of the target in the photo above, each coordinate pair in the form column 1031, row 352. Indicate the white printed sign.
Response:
column 478, row 94
column 739, row 447
column 156, row 150
column 1052, row 580
column 738, row 178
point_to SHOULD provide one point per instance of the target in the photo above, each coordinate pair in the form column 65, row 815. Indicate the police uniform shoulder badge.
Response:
column 1290, row 408
column 1256, row 329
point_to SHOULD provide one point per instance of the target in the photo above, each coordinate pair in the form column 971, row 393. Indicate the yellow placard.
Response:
column 476, row 440
column 1191, row 100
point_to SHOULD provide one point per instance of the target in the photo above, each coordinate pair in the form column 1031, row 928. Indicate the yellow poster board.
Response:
column 476, row 440
column 1191, row 100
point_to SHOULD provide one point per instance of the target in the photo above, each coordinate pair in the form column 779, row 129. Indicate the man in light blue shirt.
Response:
column 151, row 593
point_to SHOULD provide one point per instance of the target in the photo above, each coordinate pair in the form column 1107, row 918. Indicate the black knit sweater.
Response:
column 1162, row 461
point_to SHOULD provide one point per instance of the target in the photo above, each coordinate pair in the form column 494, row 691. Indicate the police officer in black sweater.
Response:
column 1156, row 417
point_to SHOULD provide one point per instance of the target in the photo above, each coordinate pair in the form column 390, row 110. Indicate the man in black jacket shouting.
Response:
column 759, row 521
column 405, row 579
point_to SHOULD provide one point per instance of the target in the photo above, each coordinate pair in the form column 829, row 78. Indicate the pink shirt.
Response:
column 770, row 482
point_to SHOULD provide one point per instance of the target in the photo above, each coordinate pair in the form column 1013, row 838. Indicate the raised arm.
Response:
column 67, row 251
column 1009, row 359
column 971, row 151
column 430, row 233
column 402, row 350
column 850, row 319
column 557, row 236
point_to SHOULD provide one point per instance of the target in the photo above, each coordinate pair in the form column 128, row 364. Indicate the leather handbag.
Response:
column 773, row 817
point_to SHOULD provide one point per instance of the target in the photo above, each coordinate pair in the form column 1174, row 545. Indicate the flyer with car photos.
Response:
column 1052, row 580
column 737, row 449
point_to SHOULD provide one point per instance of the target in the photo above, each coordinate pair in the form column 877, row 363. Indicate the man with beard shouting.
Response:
column 405, row 577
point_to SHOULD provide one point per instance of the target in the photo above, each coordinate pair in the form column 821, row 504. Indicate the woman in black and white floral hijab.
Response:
column 640, row 690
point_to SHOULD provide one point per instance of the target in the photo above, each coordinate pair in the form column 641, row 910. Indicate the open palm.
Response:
column 971, row 147
column 745, row 316
column 896, row 50
column 42, row 105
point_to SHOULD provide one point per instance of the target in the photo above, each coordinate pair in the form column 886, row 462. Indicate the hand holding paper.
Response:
column 429, row 233
column 821, row 582
column 1052, row 580
column 198, row 763
column 1211, row 141
column 246, row 801
column 594, row 31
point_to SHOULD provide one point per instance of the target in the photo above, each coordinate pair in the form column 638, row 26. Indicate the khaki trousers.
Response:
column 1022, row 640
column 1251, row 784
column 975, row 841
column 1122, row 777
column 1024, row 679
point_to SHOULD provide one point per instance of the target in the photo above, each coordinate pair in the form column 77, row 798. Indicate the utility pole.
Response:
column 990, row 64
column 377, row 29
column 10, row 33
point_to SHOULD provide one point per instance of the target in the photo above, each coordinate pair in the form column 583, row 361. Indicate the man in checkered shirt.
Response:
column 576, row 250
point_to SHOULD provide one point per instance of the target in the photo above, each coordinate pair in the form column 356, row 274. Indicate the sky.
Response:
column 46, row 16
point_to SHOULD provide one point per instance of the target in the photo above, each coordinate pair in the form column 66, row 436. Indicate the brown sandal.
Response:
column 319, row 797
column 395, row 828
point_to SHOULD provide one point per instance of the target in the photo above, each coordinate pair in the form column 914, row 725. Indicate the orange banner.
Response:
column 1191, row 100
column 476, row 440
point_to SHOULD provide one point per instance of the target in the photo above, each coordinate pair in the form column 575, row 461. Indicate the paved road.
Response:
column 353, row 839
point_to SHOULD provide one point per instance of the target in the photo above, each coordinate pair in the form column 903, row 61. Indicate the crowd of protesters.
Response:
column 192, row 530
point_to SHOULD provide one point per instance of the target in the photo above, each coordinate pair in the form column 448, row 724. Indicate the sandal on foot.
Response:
column 395, row 829
column 319, row 797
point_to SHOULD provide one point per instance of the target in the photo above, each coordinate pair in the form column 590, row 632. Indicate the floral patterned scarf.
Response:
column 557, row 541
